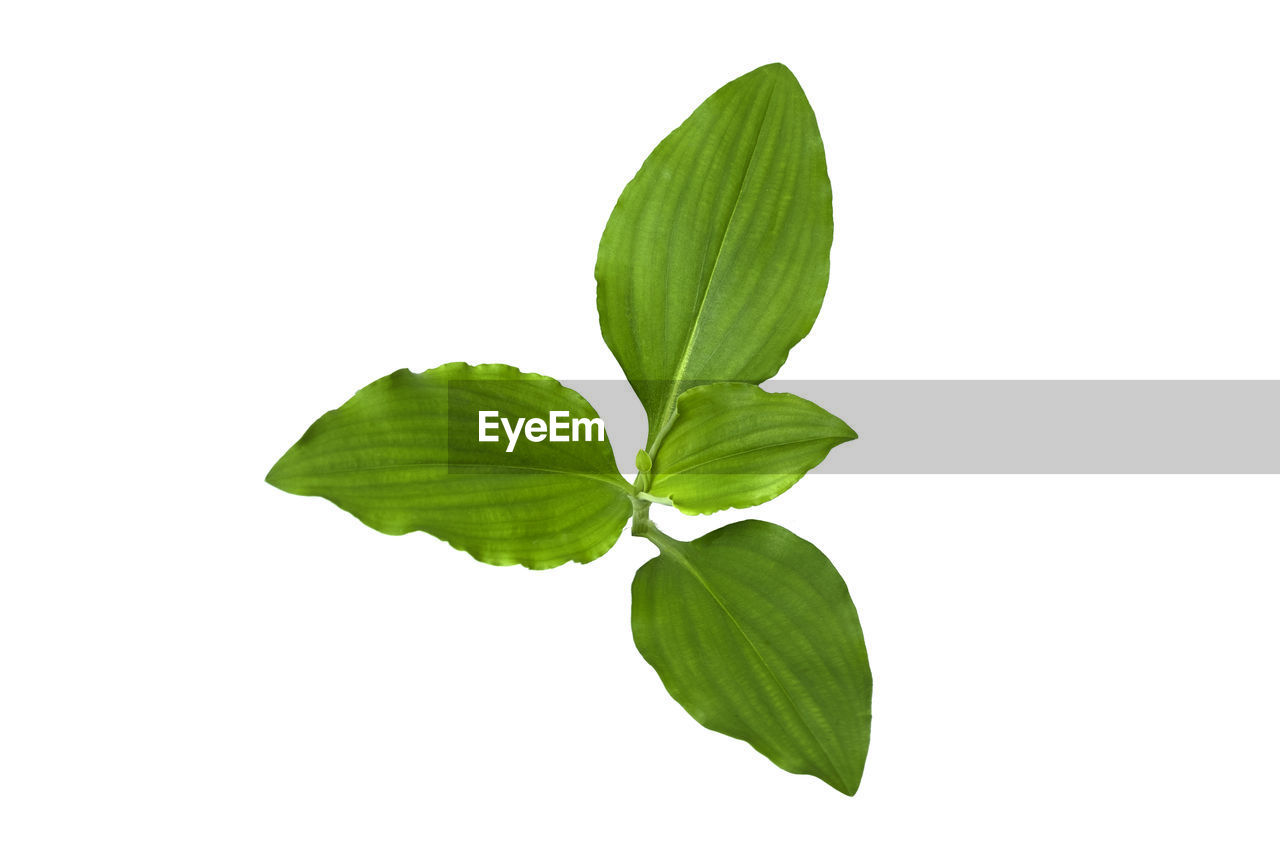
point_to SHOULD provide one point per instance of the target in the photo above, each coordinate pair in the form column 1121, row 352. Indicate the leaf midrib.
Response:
column 619, row 484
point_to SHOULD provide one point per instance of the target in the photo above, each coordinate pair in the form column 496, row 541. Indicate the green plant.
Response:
column 713, row 265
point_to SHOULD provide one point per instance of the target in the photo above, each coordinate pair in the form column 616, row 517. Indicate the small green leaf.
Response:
column 643, row 463
column 404, row 454
column 715, row 259
column 752, row 630
column 736, row 445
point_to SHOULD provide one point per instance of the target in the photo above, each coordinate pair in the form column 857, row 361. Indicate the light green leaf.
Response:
column 752, row 630
column 404, row 454
column 715, row 259
column 736, row 445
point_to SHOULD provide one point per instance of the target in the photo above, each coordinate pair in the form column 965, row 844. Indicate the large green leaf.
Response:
column 404, row 454
column 752, row 630
column 715, row 259
column 736, row 445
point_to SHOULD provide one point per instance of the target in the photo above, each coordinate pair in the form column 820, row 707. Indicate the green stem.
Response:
column 640, row 523
column 665, row 543
column 642, row 526
column 667, row 421
column 641, row 500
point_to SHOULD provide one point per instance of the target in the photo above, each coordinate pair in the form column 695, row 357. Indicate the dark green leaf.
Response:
column 715, row 259
column 736, row 445
column 404, row 454
column 752, row 630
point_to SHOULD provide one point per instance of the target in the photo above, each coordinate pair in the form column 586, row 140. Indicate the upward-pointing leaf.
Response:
column 404, row 454
column 715, row 259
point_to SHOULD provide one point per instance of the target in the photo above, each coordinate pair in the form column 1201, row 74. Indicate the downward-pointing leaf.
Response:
column 715, row 259
column 752, row 630
column 403, row 454
column 736, row 445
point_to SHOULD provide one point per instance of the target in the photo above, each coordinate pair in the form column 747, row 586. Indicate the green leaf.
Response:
column 736, row 445
column 715, row 259
column 404, row 454
column 752, row 630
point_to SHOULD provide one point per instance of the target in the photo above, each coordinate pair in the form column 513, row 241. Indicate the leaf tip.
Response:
column 775, row 68
column 273, row 476
column 775, row 73
column 282, row 471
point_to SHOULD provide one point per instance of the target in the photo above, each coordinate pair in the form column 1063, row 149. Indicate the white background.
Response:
column 218, row 220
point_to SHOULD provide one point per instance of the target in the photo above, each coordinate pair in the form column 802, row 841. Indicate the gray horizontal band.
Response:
column 1022, row 426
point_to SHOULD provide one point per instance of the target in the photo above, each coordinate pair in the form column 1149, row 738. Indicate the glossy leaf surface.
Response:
column 737, row 445
column 715, row 260
column 403, row 454
column 753, row 631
